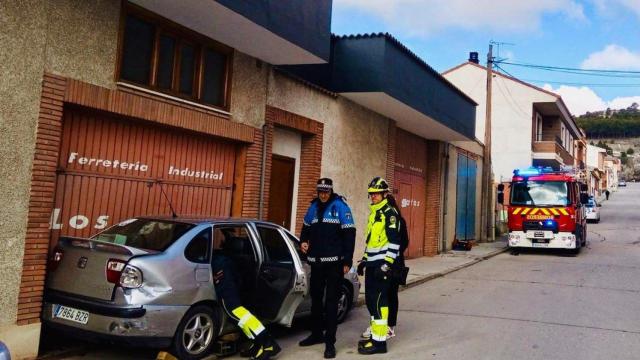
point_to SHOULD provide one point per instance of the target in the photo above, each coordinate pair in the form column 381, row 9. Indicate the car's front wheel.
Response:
column 345, row 301
column 196, row 333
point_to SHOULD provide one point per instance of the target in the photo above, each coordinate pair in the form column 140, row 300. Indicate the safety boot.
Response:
column 370, row 347
column 251, row 350
column 266, row 347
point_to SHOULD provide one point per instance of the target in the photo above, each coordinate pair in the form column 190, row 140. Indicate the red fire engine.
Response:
column 546, row 210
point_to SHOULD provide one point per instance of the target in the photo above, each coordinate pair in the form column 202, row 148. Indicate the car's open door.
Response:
column 282, row 282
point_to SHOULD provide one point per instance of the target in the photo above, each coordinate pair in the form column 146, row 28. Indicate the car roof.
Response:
column 195, row 220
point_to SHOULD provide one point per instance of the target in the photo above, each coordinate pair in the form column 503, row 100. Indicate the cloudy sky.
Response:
column 581, row 34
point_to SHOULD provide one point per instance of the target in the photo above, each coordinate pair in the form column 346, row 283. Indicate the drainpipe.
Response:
column 262, row 171
column 445, row 159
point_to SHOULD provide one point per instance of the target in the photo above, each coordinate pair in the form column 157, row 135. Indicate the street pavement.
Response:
column 538, row 305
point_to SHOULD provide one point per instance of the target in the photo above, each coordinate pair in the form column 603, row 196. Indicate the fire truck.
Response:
column 546, row 209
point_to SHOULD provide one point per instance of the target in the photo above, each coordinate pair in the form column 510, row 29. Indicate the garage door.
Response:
column 111, row 169
column 410, row 172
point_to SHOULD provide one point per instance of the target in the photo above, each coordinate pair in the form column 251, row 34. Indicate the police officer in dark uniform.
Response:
column 328, row 239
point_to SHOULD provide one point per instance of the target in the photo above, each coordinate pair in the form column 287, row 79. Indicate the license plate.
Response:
column 539, row 234
column 71, row 314
column 539, row 244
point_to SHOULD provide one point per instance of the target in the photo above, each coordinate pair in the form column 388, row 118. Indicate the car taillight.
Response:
column 56, row 258
column 127, row 276
column 114, row 270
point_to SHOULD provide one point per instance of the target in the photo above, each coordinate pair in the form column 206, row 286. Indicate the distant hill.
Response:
column 622, row 123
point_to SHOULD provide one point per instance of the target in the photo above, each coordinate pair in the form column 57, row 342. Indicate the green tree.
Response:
column 630, row 151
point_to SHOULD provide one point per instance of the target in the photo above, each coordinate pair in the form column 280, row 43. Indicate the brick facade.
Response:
column 433, row 214
column 43, row 183
column 58, row 91
column 310, row 159
column 391, row 155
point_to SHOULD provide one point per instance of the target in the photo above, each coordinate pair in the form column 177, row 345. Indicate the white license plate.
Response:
column 540, row 234
column 71, row 314
column 540, row 244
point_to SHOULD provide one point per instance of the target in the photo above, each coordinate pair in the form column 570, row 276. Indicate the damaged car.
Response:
column 147, row 281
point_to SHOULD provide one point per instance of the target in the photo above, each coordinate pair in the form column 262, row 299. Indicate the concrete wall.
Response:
column 289, row 143
column 82, row 40
column 248, row 89
column 352, row 136
column 512, row 116
column 23, row 23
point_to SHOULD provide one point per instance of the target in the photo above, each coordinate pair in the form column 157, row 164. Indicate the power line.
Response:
column 551, row 68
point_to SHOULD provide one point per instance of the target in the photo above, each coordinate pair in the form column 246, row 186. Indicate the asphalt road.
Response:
column 538, row 305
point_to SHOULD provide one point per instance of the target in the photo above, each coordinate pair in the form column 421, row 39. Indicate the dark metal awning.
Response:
column 379, row 73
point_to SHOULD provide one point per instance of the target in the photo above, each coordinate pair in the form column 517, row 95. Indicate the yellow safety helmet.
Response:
column 377, row 185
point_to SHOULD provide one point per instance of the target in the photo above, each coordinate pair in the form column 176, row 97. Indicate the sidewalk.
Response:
column 424, row 269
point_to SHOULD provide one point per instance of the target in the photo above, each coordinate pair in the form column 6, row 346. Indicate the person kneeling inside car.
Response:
column 263, row 346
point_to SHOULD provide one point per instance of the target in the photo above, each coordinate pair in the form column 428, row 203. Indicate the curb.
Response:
column 423, row 279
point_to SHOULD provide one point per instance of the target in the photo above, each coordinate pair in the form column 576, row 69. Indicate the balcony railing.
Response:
column 555, row 148
column 549, row 137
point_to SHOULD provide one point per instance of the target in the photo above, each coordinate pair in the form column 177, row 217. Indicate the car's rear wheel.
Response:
column 196, row 333
column 345, row 301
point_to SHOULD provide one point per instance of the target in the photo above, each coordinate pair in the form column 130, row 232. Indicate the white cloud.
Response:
column 579, row 100
column 423, row 17
column 613, row 57
column 611, row 8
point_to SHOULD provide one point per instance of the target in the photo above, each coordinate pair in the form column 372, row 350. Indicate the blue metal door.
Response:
column 466, row 198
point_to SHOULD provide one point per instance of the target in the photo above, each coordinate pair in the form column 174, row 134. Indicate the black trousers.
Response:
column 393, row 295
column 376, row 292
column 325, row 285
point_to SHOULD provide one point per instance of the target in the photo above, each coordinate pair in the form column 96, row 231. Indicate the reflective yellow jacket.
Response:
column 383, row 234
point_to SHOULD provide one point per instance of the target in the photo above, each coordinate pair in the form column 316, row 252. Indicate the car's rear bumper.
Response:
column 115, row 322
column 560, row 240
column 96, row 337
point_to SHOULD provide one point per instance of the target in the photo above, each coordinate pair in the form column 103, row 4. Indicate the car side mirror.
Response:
column 500, row 193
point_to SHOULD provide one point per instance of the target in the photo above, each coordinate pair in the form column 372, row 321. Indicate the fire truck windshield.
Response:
column 540, row 193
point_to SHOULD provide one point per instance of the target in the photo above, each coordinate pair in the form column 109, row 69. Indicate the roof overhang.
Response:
column 379, row 73
column 277, row 32
column 557, row 108
column 406, row 117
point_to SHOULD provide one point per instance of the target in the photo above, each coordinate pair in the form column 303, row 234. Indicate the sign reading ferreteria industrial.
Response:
column 96, row 163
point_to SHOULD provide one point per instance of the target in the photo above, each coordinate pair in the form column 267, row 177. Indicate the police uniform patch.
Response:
column 392, row 222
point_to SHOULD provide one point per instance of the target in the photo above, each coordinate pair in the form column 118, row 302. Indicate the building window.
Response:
column 166, row 57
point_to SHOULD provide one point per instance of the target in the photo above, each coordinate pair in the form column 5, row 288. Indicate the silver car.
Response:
column 147, row 281
column 592, row 210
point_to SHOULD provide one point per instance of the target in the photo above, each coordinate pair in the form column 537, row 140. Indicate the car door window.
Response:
column 199, row 249
column 234, row 242
column 275, row 246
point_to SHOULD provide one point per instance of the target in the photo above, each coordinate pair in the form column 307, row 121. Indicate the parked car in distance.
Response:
column 148, row 281
column 593, row 210
column 622, row 183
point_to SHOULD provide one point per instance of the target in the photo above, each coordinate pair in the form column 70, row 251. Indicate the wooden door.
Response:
column 410, row 197
column 281, row 190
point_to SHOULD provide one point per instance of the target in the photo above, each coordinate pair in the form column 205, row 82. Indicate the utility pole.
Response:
column 487, row 182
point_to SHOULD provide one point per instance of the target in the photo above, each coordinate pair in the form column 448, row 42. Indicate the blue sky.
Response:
column 586, row 34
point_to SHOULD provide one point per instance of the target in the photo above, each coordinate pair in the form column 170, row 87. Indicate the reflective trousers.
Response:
column 227, row 294
column 377, row 299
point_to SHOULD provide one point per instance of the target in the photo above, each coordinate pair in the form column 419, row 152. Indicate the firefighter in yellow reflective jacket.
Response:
column 383, row 245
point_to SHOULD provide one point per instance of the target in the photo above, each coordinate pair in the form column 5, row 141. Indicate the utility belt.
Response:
column 326, row 259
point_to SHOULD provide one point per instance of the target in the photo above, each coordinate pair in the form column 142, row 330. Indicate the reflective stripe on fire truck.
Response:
column 545, row 211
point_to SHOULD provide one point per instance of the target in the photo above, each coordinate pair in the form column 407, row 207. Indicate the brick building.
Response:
column 113, row 104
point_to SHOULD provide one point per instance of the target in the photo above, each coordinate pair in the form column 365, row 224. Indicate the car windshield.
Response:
column 542, row 193
column 147, row 234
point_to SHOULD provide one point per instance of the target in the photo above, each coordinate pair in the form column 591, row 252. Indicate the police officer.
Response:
column 328, row 238
column 263, row 346
column 383, row 246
